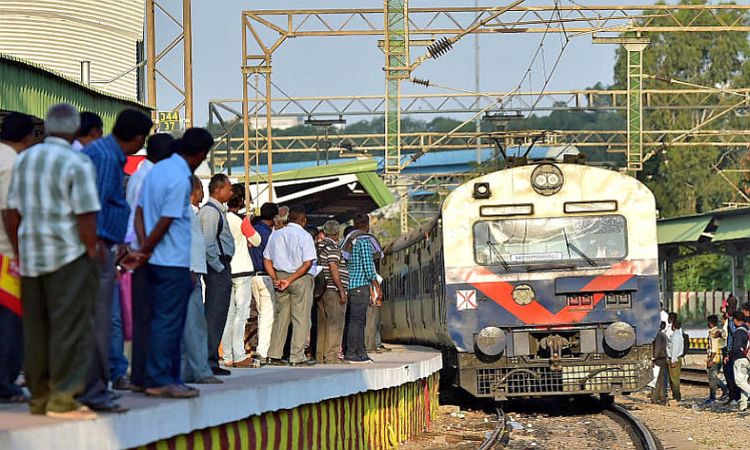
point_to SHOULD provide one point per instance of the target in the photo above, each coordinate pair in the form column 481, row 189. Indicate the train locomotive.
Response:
column 536, row 280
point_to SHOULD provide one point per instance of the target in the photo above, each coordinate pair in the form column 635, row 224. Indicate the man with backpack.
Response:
column 675, row 352
column 738, row 358
column 219, row 253
column 713, row 359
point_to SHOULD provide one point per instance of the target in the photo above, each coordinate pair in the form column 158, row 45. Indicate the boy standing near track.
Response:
column 660, row 360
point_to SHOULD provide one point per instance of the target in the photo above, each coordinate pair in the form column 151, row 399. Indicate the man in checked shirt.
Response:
column 362, row 275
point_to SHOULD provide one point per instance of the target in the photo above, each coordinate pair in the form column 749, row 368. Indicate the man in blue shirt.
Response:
column 109, row 155
column 163, row 224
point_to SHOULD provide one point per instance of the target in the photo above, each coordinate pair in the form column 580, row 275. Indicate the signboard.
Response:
column 169, row 121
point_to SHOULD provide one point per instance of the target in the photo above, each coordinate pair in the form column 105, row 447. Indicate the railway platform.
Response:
column 326, row 406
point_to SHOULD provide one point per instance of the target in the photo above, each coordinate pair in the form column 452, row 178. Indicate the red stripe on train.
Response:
column 535, row 313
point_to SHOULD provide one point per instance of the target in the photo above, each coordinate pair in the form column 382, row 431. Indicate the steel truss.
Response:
column 265, row 31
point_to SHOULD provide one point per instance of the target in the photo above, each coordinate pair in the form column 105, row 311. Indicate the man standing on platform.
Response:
column 51, row 223
column 233, row 339
column 195, row 368
column 158, row 148
column 16, row 135
column 219, row 252
column 164, row 213
column 109, row 155
column 262, row 284
column 287, row 259
column 362, row 276
column 332, row 305
column 92, row 128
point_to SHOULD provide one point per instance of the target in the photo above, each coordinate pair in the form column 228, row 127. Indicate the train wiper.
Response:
column 572, row 246
column 495, row 251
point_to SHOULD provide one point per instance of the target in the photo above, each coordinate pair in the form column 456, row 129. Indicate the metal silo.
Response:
column 62, row 34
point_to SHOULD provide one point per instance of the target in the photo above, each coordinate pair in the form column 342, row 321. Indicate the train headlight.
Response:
column 619, row 336
column 523, row 294
column 491, row 341
column 547, row 179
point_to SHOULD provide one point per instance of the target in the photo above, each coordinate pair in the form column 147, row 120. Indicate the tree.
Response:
column 684, row 180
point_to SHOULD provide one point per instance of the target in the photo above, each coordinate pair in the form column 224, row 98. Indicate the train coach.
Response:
column 535, row 280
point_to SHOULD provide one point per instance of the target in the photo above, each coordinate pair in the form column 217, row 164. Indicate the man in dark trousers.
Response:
column 659, row 350
column 16, row 135
column 109, row 155
column 362, row 275
column 164, row 215
column 738, row 358
column 219, row 252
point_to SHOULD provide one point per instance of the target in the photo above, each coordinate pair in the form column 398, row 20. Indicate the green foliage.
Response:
column 685, row 180
column 703, row 273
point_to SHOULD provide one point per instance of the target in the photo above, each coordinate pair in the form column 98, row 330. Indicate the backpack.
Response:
column 685, row 343
column 320, row 285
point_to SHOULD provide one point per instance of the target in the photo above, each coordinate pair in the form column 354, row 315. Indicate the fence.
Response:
column 696, row 306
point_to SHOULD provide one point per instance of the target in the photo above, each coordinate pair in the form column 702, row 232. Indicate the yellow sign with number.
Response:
column 169, row 121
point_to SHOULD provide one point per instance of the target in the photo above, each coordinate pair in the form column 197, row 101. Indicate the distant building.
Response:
column 59, row 34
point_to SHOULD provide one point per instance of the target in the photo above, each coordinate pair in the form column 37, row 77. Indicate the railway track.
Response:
column 638, row 432
column 640, row 435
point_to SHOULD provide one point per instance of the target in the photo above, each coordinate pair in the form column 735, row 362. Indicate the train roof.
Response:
column 411, row 237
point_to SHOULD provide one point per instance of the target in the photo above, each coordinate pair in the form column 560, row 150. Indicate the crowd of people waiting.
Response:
column 210, row 288
column 727, row 354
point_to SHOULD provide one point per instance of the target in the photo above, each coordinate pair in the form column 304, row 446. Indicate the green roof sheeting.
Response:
column 678, row 230
column 29, row 88
column 374, row 186
column 732, row 227
column 327, row 170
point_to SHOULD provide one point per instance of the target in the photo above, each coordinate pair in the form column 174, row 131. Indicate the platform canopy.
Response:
column 724, row 231
column 333, row 191
column 31, row 89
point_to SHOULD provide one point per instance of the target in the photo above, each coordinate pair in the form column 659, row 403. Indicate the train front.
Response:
column 551, row 281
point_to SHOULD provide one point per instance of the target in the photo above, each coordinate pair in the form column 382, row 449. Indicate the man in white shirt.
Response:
column 16, row 135
column 288, row 258
column 675, row 349
column 233, row 339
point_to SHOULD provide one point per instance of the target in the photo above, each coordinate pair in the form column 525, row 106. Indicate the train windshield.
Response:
column 560, row 241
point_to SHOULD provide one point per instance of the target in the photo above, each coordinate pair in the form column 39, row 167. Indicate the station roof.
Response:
column 31, row 89
column 331, row 191
column 720, row 226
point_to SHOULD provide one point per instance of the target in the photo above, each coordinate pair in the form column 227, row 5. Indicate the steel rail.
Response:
column 641, row 435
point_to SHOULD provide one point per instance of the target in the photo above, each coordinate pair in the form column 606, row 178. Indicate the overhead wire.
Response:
column 526, row 75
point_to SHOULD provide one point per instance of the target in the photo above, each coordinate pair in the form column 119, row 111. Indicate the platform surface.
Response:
column 245, row 393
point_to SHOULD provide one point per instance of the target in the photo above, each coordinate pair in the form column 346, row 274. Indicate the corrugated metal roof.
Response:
column 681, row 230
column 30, row 89
column 59, row 34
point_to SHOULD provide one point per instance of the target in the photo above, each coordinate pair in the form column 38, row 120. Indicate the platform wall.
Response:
column 370, row 420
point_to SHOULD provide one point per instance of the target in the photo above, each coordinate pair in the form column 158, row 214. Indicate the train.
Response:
column 539, row 279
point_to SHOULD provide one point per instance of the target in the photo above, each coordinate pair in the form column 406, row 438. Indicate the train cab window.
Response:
column 560, row 241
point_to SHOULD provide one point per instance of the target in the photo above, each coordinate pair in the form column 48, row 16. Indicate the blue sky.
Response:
column 349, row 66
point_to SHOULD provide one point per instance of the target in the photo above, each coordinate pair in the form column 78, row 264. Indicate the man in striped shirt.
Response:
column 51, row 223
column 332, row 305
column 109, row 155
column 362, row 275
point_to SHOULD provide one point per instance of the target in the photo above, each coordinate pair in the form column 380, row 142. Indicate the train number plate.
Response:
column 466, row 300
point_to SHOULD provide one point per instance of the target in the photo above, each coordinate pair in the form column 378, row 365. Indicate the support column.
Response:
column 187, row 46
column 667, row 280
column 396, row 69
column 738, row 277
column 635, row 107
column 151, row 58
